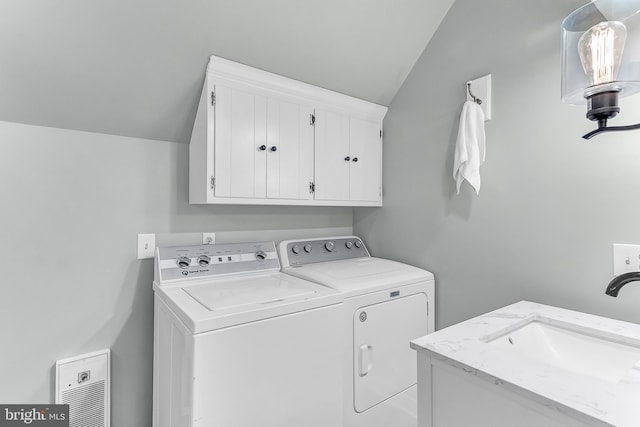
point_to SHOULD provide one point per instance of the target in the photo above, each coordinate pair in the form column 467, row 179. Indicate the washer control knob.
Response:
column 295, row 249
column 358, row 244
column 349, row 245
column 183, row 262
column 307, row 248
column 261, row 256
column 204, row 260
column 330, row 246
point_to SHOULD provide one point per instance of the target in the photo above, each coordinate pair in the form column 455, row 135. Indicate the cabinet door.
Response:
column 240, row 133
column 365, row 173
column 331, row 153
column 384, row 364
column 289, row 150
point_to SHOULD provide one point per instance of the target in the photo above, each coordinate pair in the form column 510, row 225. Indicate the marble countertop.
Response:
column 588, row 399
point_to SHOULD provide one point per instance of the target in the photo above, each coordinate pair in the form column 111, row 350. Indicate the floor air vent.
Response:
column 83, row 382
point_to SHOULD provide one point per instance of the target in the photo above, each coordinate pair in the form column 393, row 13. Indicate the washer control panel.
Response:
column 201, row 261
column 301, row 252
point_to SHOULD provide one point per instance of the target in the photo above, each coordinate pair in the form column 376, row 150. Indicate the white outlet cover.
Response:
column 626, row 258
column 208, row 238
column 146, row 246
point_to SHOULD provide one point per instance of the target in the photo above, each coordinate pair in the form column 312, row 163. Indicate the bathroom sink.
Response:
column 574, row 349
column 543, row 364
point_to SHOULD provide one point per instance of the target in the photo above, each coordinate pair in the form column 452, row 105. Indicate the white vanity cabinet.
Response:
column 530, row 365
column 260, row 138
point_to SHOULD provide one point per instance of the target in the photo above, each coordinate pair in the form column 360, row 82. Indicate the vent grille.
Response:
column 86, row 405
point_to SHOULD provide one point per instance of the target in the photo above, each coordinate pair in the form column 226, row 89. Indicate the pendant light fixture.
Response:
column 601, row 59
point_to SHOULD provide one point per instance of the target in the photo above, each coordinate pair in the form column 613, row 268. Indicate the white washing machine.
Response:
column 387, row 304
column 240, row 344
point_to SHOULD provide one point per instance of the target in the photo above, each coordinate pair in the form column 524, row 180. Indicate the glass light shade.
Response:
column 601, row 50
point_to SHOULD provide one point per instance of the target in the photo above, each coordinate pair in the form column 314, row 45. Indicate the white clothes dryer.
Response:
column 237, row 343
column 387, row 304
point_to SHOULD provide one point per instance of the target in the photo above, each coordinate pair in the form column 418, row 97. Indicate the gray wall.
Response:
column 551, row 204
column 72, row 205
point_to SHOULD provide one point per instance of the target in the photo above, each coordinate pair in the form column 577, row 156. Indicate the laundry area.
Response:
column 233, row 330
column 339, row 214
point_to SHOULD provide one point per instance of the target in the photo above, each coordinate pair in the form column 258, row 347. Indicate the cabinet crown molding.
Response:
column 323, row 98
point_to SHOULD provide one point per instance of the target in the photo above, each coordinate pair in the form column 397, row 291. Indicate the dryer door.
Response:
column 384, row 364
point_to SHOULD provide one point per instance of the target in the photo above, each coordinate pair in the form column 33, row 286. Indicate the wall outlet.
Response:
column 146, row 246
column 208, row 238
column 626, row 258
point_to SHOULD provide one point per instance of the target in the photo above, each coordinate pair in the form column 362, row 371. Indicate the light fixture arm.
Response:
column 605, row 128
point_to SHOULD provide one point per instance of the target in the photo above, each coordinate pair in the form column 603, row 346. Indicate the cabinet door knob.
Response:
column 346, row 159
column 262, row 147
column 355, row 159
column 274, row 148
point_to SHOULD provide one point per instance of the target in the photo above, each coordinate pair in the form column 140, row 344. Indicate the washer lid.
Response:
column 247, row 291
column 206, row 305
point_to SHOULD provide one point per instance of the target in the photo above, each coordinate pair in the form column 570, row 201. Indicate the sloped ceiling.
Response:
column 136, row 67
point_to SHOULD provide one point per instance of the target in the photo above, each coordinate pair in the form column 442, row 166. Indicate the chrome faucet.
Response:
column 619, row 281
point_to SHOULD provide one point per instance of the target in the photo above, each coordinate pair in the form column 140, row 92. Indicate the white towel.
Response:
column 470, row 146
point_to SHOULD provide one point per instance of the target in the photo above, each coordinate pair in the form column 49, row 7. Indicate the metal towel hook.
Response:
column 475, row 99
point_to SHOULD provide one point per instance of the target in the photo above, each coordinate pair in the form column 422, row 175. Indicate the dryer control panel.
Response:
column 208, row 261
column 309, row 251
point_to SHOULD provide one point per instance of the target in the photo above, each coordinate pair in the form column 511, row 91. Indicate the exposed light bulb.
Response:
column 600, row 49
column 595, row 68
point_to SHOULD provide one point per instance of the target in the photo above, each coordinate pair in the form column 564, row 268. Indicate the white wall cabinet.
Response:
column 348, row 158
column 289, row 150
column 260, row 138
column 263, row 145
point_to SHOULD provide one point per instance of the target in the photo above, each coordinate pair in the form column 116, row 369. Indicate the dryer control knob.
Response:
column 358, row 244
column 204, row 260
column 307, row 248
column 261, row 256
column 295, row 249
column 329, row 246
column 349, row 245
column 183, row 262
